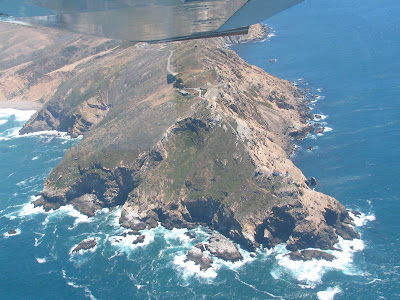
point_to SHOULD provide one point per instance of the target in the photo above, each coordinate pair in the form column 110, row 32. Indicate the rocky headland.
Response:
column 182, row 134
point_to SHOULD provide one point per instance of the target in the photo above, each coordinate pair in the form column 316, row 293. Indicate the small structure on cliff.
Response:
column 276, row 172
column 184, row 93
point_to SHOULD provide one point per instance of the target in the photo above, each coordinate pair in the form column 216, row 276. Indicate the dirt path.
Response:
column 169, row 64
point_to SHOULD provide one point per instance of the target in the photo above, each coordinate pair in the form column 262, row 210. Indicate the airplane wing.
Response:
column 144, row 20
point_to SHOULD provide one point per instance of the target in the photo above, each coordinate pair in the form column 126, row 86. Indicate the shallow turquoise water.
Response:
column 346, row 52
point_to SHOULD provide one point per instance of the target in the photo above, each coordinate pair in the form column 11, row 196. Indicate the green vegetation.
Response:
column 267, row 104
column 170, row 78
column 179, row 83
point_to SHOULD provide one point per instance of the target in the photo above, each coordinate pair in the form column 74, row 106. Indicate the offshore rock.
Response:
column 199, row 257
column 306, row 255
column 223, row 248
column 85, row 245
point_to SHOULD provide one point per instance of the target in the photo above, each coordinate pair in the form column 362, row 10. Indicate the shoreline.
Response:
column 21, row 105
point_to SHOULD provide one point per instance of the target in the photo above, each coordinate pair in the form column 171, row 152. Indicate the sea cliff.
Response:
column 180, row 134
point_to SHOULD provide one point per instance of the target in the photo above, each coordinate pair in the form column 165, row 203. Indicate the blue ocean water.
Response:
column 346, row 52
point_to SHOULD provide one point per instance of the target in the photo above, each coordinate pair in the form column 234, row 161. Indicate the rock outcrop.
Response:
column 210, row 156
column 223, row 248
column 200, row 257
column 306, row 255
column 85, row 245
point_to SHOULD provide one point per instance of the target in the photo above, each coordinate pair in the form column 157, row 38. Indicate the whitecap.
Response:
column 72, row 212
column 29, row 209
column 38, row 241
column 125, row 243
column 329, row 293
column 178, row 234
column 309, row 273
column 41, row 260
column 189, row 268
column 47, row 134
column 35, row 158
column 362, row 219
column 87, row 291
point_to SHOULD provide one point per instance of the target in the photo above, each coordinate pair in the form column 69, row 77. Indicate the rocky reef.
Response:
column 186, row 134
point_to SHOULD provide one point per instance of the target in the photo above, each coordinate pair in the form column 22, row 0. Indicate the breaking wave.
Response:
column 310, row 273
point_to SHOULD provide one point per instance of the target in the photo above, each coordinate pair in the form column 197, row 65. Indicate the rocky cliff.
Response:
column 183, row 134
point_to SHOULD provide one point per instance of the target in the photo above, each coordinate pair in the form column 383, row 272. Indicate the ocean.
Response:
column 346, row 54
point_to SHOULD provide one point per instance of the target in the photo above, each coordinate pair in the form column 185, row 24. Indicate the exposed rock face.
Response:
column 85, row 245
column 223, row 248
column 12, row 231
column 312, row 181
column 181, row 161
column 306, row 255
column 139, row 239
column 200, row 257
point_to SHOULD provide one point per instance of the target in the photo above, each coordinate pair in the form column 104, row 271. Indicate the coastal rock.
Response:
column 199, row 257
column 223, row 248
column 139, row 239
column 319, row 130
column 12, row 232
column 312, row 181
column 87, row 204
column 131, row 232
column 302, row 133
column 306, row 255
column 85, row 245
column 190, row 235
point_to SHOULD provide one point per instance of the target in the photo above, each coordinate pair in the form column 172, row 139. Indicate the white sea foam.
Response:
column 41, row 260
column 88, row 293
column 20, row 115
column 327, row 129
column 45, row 134
column 72, row 212
column 29, row 209
column 35, row 158
column 125, row 244
column 17, row 232
column 362, row 219
column 3, row 122
column 38, row 241
column 309, row 273
column 177, row 235
column 189, row 269
column 329, row 293
column 67, row 210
